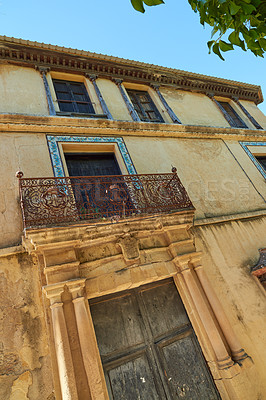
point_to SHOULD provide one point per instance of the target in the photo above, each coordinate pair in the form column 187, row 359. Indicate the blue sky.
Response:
column 168, row 35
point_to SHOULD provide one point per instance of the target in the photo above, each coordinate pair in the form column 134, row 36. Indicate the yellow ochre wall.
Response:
column 22, row 91
column 25, row 365
column 230, row 249
column 214, row 180
column 216, row 183
column 255, row 112
column 193, row 108
column 114, row 100
column 28, row 153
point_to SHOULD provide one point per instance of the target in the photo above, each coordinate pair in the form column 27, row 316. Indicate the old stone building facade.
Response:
column 133, row 230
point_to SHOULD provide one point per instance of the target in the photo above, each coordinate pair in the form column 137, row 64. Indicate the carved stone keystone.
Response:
column 130, row 248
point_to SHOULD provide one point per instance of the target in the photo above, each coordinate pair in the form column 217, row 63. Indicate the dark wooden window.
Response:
column 234, row 120
column 103, row 191
column 148, row 347
column 72, row 97
column 262, row 161
column 144, row 106
column 92, row 164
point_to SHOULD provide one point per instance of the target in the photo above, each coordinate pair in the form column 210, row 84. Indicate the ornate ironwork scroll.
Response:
column 51, row 201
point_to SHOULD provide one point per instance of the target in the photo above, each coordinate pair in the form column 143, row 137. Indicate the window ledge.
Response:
column 80, row 115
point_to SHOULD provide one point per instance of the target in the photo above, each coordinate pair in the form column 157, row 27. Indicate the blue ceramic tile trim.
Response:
column 252, row 157
column 56, row 158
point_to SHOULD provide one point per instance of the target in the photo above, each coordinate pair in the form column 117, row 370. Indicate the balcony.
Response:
column 54, row 201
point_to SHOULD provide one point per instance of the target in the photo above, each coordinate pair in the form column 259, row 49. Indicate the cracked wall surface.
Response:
column 25, row 369
column 28, row 153
column 229, row 251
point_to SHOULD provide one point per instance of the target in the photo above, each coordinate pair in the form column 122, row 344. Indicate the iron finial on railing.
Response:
column 19, row 174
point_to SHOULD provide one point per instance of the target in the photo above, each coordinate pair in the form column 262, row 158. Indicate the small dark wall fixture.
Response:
column 259, row 270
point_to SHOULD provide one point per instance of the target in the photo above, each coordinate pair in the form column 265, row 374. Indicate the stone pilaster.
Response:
column 61, row 340
column 238, row 354
column 99, row 95
column 88, row 343
column 89, row 349
column 43, row 72
column 130, row 108
column 171, row 113
column 201, row 303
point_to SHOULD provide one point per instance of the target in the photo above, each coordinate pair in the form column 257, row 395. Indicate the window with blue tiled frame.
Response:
column 57, row 163
column 257, row 153
column 262, row 161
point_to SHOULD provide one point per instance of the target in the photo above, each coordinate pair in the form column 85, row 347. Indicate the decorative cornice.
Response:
column 26, row 53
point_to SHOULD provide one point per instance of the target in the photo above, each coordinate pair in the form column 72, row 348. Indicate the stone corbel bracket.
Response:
column 59, row 261
column 130, row 248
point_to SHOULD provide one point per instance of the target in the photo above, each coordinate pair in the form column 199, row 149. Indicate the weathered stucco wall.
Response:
column 248, row 166
column 25, row 367
column 22, row 91
column 229, row 251
column 114, row 100
column 215, row 182
column 28, row 153
column 255, row 112
column 193, row 108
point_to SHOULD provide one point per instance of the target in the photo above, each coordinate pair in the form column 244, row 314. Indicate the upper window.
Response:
column 72, row 97
column 257, row 153
column 233, row 118
column 144, row 106
column 262, row 161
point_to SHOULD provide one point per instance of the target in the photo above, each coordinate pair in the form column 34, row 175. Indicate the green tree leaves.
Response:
column 241, row 22
column 216, row 50
column 138, row 4
column 234, row 8
column 225, row 46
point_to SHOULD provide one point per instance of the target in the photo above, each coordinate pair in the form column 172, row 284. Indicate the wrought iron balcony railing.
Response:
column 51, row 201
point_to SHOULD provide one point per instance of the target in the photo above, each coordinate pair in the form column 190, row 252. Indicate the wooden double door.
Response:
column 148, row 348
